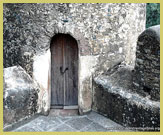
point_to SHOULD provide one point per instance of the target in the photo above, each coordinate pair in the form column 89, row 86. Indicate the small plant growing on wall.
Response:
column 152, row 14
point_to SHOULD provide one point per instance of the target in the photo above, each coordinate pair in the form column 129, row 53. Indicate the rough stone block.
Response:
column 125, row 106
column 147, row 67
column 20, row 95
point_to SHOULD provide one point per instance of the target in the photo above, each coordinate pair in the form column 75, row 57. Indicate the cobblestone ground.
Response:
column 86, row 123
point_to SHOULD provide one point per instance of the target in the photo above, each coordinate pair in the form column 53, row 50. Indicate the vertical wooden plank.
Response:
column 57, row 89
column 71, row 75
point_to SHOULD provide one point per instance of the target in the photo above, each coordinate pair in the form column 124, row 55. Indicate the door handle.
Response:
column 61, row 70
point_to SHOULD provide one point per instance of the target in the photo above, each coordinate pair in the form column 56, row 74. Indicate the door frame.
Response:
column 42, row 72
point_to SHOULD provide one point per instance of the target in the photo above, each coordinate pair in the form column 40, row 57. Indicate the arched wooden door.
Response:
column 64, row 71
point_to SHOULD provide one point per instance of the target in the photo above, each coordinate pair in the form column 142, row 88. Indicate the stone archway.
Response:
column 42, row 72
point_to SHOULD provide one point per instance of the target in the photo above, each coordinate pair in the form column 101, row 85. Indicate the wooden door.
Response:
column 64, row 71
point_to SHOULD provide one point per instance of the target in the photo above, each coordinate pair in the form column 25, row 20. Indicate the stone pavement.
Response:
column 86, row 123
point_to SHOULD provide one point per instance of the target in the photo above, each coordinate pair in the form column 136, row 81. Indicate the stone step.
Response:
column 63, row 112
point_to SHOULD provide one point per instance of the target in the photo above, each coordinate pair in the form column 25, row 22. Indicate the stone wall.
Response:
column 106, row 35
column 132, row 97
column 146, row 80
column 126, row 108
column 114, row 97
column 20, row 96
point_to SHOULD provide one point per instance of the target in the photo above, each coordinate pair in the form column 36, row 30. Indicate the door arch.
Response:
column 64, row 71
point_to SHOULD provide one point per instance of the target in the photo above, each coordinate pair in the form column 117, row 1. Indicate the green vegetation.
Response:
column 152, row 14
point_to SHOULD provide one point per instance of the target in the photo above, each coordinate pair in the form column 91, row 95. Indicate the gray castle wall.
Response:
column 106, row 34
